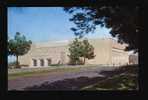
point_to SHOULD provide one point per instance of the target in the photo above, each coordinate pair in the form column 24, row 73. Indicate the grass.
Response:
column 27, row 74
column 44, row 72
column 38, row 73
column 124, row 78
column 120, row 82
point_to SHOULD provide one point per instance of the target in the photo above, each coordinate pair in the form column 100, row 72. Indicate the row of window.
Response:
column 42, row 62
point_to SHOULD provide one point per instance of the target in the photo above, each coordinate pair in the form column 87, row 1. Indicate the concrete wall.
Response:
column 133, row 59
column 107, row 51
column 119, row 57
column 102, row 49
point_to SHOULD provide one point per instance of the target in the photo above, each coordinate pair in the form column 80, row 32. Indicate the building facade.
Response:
column 133, row 59
column 107, row 51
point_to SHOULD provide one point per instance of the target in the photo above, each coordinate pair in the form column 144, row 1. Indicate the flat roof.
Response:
column 115, row 44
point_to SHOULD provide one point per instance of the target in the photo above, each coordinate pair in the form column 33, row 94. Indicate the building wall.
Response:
column 56, row 54
column 133, row 59
column 119, row 57
column 26, row 59
column 106, row 51
column 102, row 49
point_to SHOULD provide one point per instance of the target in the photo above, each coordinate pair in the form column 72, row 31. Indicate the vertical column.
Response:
column 46, row 62
column 31, row 65
column 37, row 62
column 32, row 62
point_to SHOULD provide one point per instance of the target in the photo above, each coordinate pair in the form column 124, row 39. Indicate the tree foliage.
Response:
column 80, row 49
column 122, row 20
column 18, row 46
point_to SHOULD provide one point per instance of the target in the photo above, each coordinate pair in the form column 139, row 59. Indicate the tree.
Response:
column 18, row 46
column 122, row 20
column 80, row 49
column 75, row 51
column 88, row 50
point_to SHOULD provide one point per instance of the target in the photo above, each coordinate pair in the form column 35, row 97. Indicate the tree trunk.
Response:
column 84, row 61
column 17, row 63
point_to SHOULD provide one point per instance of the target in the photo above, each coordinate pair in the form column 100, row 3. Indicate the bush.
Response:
column 55, row 64
column 79, row 62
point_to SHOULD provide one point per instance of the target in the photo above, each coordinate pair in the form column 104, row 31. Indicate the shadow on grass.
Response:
column 66, row 84
column 123, row 78
column 130, row 69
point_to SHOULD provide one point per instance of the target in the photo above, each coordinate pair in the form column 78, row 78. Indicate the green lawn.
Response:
column 46, row 71
column 40, row 72
column 121, row 78
column 124, row 78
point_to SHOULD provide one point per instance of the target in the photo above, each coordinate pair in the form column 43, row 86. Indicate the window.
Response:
column 49, row 61
column 41, row 62
column 34, row 62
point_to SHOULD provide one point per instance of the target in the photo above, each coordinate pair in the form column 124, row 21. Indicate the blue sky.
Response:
column 41, row 24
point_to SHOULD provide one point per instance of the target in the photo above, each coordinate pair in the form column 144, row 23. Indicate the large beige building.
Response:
column 107, row 51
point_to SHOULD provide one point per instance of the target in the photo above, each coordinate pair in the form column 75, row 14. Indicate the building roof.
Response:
column 45, row 45
column 52, row 44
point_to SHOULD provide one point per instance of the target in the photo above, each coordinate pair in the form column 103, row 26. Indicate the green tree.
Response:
column 80, row 49
column 122, row 20
column 75, row 51
column 88, row 50
column 18, row 46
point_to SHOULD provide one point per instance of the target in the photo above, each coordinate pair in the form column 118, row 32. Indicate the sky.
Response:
column 42, row 24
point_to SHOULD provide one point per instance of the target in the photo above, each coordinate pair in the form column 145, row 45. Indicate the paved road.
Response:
column 20, row 83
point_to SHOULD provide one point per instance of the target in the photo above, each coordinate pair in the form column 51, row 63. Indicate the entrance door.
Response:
column 34, row 62
column 41, row 62
column 49, row 61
